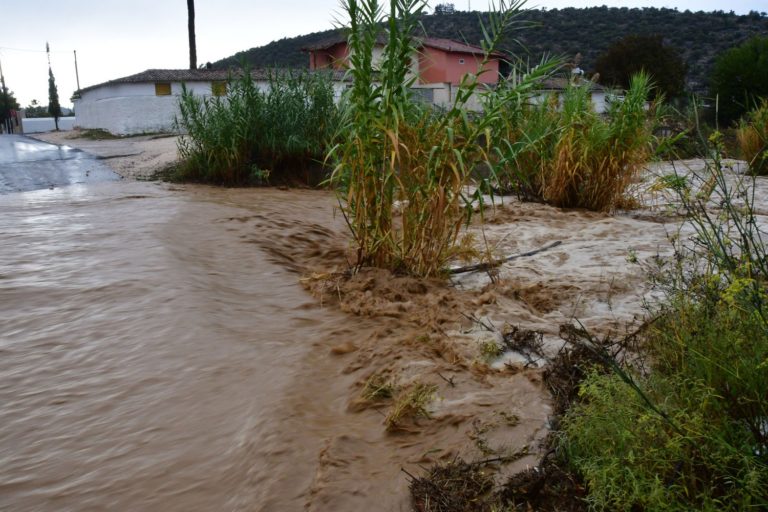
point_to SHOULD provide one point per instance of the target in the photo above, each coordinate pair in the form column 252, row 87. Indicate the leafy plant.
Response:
column 639, row 53
column 411, row 403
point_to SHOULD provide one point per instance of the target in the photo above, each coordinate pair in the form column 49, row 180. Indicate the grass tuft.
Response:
column 410, row 404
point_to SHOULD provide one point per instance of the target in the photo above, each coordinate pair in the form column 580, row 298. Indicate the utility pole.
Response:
column 77, row 75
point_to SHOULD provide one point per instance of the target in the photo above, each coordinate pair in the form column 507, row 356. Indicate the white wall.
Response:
column 45, row 124
column 128, row 109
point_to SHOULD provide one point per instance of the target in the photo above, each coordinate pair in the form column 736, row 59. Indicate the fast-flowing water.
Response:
column 158, row 353
column 143, row 352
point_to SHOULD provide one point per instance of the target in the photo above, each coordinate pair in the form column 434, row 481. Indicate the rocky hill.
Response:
column 699, row 36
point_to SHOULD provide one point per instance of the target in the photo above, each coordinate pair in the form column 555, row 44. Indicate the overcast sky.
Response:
column 116, row 38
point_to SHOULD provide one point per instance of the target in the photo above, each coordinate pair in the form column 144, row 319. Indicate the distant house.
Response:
column 438, row 67
column 557, row 86
column 148, row 101
column 438, row 60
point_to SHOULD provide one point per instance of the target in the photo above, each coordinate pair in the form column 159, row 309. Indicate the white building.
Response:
column 148, row 102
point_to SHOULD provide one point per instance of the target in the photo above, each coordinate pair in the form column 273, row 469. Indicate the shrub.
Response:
column 753, row 139
column 250, row 136
column 638, row 53
column 739, row 78
column 691, row 434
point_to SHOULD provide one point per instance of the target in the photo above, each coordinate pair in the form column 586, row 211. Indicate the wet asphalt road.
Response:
column 28, row 164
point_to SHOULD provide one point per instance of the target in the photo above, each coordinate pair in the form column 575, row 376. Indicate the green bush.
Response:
column 691, row 433
column 250, row 136
column 739, row 78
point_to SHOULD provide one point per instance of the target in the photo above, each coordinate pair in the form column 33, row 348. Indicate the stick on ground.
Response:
column 496, row 263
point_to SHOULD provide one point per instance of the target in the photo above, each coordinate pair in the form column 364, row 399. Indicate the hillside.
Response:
column 699, row 36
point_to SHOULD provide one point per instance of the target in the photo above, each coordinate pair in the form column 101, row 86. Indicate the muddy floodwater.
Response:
column 157, row 352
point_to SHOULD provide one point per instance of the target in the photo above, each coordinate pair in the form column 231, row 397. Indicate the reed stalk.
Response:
column 401, row 167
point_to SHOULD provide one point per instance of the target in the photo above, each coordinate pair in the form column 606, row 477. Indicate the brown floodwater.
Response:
column 157, row 352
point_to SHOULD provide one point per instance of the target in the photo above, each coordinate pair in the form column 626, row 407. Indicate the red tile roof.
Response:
column 194, row 75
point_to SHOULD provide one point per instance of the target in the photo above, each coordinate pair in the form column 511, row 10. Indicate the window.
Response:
column 162, row 89
column 461, row 61
column 219, row 88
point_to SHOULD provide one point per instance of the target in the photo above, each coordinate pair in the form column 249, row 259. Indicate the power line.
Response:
column 31, row 51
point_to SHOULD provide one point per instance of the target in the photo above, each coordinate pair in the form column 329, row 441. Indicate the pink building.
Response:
column 439, row 60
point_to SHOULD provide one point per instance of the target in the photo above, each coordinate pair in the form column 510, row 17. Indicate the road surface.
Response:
column 28, row 164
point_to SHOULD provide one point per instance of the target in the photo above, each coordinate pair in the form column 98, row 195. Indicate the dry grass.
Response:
column 753, row 139
column 410, row 404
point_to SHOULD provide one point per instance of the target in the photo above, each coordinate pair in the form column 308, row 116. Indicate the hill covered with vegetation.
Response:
column 698, row 36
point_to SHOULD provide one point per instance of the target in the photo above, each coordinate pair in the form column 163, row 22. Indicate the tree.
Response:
column 35, row 109
column 7, row 103
column 441, row 9
column 636, row 53
column 54, row 108
column 191, row 29
column 740, row 78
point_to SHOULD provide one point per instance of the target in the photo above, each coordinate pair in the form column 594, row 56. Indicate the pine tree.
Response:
column 53, row 94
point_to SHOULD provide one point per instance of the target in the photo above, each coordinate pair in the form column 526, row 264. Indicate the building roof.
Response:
column 448, row 45
column 196, row 75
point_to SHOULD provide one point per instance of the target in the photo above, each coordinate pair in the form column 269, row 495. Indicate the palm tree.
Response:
column 191, row 28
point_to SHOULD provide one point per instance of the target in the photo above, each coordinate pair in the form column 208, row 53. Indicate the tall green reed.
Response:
column 563, row 152
column 752, row 135
column 252, row 134
column 400, row 166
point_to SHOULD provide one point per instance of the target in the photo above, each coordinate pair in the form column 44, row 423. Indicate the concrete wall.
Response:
column 444, row 94
column 128, row 109
column 125, row 109
column 45, row 124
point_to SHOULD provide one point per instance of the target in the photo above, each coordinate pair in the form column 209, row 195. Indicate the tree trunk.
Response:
column 191, row 27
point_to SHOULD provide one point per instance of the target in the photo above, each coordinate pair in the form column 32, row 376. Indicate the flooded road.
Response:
column 29, row 164
column 157, row 352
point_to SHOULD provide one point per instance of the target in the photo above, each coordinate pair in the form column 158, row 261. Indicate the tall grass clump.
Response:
column 752, row 135
column 401, row 167
column 563, row 152
column 252, row 135
column 691, row 433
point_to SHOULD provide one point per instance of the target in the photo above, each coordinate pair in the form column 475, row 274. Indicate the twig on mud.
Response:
column 473, row 318
column 496, row 263
column 449, row 381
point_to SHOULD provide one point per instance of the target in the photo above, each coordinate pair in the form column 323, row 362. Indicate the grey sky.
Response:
column 115, row 38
